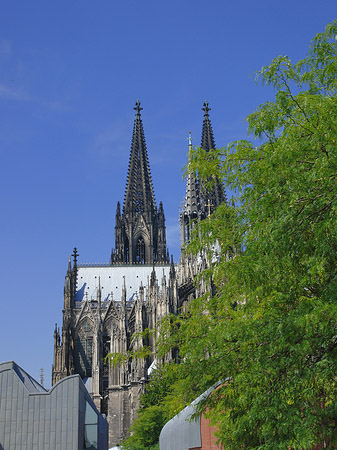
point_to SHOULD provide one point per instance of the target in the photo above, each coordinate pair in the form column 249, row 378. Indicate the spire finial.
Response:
column 138, row 108
column 190, row 148
column 75, row 255
column 189, row 139
column 206, row 108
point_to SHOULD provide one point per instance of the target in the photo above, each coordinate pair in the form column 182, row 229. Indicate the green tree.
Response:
column 158, row 405
column 271, row 328
column 146, row 429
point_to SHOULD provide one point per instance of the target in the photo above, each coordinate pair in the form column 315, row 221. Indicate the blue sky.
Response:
column 70, row 73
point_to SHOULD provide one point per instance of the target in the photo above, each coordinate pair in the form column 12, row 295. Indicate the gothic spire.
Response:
column 216, row 195
column 192, row 202
column 99, row 290
column 67, row 284
column 172, row 269
column 99, row 293
column 140, row 233
column 207, row 138
column 118, row 211
column 139, row 196
column 153, row 276
column 69, row 265
column 70, row 283
column 75, row 256
column 192, row 208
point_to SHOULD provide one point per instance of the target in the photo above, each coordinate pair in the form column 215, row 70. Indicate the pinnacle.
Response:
column 139, row 195
column 217, row 194
column 207, row 138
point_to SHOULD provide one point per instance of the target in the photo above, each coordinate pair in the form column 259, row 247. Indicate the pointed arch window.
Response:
column 186, row 228
column 84, row 349
column 126, row 251
column 187, row 232
column 140, row 250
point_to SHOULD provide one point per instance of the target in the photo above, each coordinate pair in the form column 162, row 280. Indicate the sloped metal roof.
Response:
column 112, row 280
column 182, row 432
column 29, row 383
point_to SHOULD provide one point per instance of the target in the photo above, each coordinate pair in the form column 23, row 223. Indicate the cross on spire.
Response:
column 138, row 108
column 75, row 255
column 209, row 204
column 206, row 108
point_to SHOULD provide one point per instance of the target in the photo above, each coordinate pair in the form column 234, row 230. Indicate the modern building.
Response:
column 189, row 430
column 33, row 418
column 104, row 305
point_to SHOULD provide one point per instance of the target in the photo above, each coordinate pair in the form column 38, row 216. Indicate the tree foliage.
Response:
column 271, row 327
column 160, row 402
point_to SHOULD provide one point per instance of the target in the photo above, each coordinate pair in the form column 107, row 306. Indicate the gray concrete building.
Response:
column 33, row 418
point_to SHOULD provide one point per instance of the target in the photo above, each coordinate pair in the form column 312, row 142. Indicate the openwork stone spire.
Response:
column 139, row 195
column 192, row 201
column 207, row 137
column 140, row 233
column 213, row 197
column 200, row 202
column 192, row 208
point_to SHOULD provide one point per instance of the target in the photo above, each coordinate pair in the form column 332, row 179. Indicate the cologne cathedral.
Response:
column 104, row 305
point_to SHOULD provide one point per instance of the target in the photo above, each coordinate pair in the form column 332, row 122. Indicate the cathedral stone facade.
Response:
column 104, row 305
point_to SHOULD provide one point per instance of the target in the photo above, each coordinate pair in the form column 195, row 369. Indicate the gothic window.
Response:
column 140, row 255
column 89, row 355
column 83, row 356
column 126, row 250
column 187, row 232
column 83, row 349
column 87, row 326
column 106, row 340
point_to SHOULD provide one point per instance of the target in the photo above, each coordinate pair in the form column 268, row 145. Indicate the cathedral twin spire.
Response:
column 139, row 196
column 215, row 195
column 207, row 138
column 140, row 233
column 200, row 201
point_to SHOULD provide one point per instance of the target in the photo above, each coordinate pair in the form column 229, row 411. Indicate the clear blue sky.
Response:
column 70, row 73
